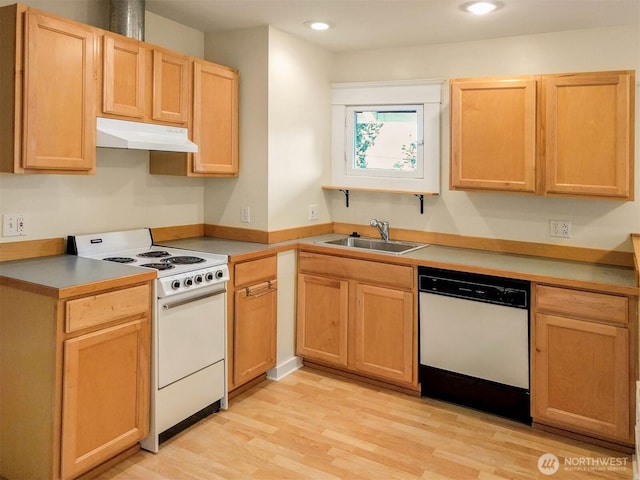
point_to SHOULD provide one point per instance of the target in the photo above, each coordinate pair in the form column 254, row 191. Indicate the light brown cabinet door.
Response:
column 59, row 95
column 383, row 333
column 254, row 349
column 581, row 376
column 493, row 135
column 105, row 394
column 588, row 139
column 322, row 319
column 215, row 119
column 170, row 87
column 123, row 79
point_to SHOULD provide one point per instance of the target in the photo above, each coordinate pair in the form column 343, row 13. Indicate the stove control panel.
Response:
column 192, row 281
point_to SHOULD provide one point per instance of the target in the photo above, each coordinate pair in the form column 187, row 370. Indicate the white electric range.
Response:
column 188, row 346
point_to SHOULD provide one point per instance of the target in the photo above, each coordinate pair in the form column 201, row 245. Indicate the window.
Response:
column 384, row 141
column 386, row 136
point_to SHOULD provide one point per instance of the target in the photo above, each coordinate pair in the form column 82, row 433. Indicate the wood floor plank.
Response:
column 313, row 425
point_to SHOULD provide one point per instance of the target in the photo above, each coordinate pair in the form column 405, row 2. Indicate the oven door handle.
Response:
column 169, row 306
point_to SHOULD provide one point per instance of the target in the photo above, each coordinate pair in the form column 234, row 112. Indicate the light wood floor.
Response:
column 312, row 425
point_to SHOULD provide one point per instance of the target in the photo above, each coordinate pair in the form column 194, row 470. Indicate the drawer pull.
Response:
column 260, row 291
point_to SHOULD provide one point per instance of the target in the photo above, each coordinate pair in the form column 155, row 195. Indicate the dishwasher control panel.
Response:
column 481, row 288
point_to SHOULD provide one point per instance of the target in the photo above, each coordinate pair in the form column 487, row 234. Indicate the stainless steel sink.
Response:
column 373, row 244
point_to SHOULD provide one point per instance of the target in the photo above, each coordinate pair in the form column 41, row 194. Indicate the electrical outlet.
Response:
column 245, row 215
column 313, row 212
column 13, row 225
column 560, row 228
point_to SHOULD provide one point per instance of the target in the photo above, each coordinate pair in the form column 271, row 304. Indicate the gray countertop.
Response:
column 60, row 273
column 76, row 274
column 564, row 272
column 225, row 247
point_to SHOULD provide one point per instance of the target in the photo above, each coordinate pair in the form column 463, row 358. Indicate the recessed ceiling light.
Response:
column 480, row 8
column 318, row 25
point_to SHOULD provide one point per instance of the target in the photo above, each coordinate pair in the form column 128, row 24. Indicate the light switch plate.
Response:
column 313, row 212
column 245, row 215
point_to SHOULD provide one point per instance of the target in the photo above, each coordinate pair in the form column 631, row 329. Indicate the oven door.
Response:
column 190, row 334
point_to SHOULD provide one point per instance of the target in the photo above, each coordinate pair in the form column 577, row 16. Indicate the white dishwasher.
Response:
column 474, row 341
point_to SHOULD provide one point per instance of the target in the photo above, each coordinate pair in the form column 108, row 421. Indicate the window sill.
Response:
column 348, row 190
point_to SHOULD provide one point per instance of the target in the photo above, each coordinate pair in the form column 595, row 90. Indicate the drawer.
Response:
column 253, row 271
column 107, row 307
column 582, row 305
column 398, row 276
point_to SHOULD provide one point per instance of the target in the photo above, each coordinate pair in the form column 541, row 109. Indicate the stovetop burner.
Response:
column 136, row 248
column 183, row 260
column 120, row 259
column 155, row 254
column 158, row 266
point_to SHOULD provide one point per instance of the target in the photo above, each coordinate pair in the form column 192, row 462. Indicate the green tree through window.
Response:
column 366, row 134
column 385, row 139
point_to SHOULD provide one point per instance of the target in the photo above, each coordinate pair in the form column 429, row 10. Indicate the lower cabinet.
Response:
column 252, row 320
column 87, row 361
column 582, row 372
column 323, row 319
column 358, row 316
column 383, row 332
column 105, row 389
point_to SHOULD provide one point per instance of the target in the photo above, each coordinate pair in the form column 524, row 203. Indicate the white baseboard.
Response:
column 280, row 371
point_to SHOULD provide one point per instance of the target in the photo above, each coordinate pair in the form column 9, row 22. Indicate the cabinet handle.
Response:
column 261, row 291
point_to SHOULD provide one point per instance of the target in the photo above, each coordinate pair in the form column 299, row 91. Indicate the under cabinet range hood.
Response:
column 114, row 133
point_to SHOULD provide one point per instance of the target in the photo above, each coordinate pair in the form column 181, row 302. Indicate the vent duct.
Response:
column 126, row 17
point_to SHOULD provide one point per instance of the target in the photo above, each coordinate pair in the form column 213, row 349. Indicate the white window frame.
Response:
column 386, row 173
column 346, row 96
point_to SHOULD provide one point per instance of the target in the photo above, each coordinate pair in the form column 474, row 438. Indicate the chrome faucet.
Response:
column 383, row 228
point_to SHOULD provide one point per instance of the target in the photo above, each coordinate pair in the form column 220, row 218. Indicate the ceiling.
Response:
column 372, row 24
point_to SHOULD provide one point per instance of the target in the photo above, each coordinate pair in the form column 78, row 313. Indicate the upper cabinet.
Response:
column 214, row 126
column 171, row 89
column 141, row 82
column 569, row 134
column 215, row 118
column 493, row 134
column 56, row 75
column 47, row 92
column 145, row 83
column 588, row 128
column 123, row 76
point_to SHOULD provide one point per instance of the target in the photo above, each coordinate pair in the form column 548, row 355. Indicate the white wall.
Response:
column 247, row 51
column 595, row 223
column 284, row 142
column 571, row 51
column 299, row 130
column 91, row 12
column 121, row 194
column 172, row 35
column 284, row 130
column 158, row 30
